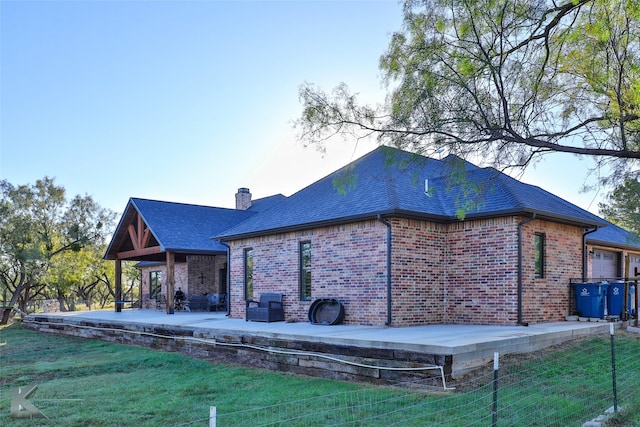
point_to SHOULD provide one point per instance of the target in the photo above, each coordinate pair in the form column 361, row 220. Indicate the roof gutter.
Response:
column 520, row 225
column 584, row 251
column 443, row 219
column 330, row 222
column 388, row 225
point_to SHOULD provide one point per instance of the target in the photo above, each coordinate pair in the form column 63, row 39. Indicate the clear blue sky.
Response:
column 189, row 100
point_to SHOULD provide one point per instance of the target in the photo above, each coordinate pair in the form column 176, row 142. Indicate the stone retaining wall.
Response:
column 315, row 359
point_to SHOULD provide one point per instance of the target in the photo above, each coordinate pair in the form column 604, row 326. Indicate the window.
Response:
column 539, row 251
column 305, row 271
column 248, row 273
column 155, row 284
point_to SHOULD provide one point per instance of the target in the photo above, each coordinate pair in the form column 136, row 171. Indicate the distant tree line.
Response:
column 52, row 248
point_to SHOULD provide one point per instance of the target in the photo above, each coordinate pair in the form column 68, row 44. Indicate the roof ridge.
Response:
column 510, row 181
column 197, row 205
column 512, row 184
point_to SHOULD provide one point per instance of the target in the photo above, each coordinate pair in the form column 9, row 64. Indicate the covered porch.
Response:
column 173, row 245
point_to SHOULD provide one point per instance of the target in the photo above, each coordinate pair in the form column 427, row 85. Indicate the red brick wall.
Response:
column 187, row 276
column 481, row 271
column 482, row 278
column 204, row 274
column 348, row 262
column 547, row 299
column 418, row 265
column 464, row 272
column 180, row 275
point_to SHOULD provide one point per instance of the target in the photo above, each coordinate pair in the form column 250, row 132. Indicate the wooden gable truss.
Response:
column 141, row 241
column 138, row 243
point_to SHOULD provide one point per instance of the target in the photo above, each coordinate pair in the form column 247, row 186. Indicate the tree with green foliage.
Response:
column 37, row 226
column 502, row 81
column 623, row 208
column 105, row 290
column 85, row 277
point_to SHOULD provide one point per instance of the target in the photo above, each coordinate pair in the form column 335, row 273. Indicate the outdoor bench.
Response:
column 126, row 299
column 123, row 303
column 208, row 302
column 199, row 302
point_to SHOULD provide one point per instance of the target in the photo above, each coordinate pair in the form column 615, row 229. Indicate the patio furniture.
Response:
column 161, row 302
column 199, row 302
column 181, row 305
column 208, row 302
column 180, row 302
column 267, row 309
column 126, row 299
column 217, row 301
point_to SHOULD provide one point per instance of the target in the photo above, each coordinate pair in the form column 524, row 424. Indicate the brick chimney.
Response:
column 243, row 199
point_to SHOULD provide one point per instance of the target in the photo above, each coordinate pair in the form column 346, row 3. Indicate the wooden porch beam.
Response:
column 139, row 253
column 133, row 236
column 118, row 285
column 140, row 236
column 140, row 232
column 171, row 282
column 145, row 238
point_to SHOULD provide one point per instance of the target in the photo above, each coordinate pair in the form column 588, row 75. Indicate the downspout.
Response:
column 228, row 276
column 385, row 222
column 584, row 252
column 520, row 225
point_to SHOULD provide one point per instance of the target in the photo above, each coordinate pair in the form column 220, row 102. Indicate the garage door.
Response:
column 605, row 264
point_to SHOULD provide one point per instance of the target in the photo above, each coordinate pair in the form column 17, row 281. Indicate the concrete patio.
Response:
column 459, row 348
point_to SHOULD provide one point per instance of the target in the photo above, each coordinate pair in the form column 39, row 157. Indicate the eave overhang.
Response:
column 442, row 219
column 604, row 243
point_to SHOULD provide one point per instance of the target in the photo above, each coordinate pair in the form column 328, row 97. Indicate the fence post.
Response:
column 613, row 369
column 496, row 356
column 212, row 416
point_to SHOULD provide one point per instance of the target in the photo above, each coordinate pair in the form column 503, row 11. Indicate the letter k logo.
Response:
column 21, row 407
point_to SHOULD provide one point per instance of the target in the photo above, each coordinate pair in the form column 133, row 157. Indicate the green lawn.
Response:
column 93, row 383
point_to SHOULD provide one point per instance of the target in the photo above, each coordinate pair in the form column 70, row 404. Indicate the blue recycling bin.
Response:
column 590, row 299
column 615, row 298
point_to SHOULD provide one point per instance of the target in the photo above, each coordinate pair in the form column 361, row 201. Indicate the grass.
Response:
column 93, row 383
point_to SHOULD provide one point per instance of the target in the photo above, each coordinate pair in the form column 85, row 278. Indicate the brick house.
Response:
column 398, row 239
column 172, row 242
column 386, row 236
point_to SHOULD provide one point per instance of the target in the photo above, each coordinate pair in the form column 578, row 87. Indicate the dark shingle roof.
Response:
column 177, row 227
column 184, row 227
column 392, row 182
column 261, row 205
column 493, row 193
column 612, row 235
